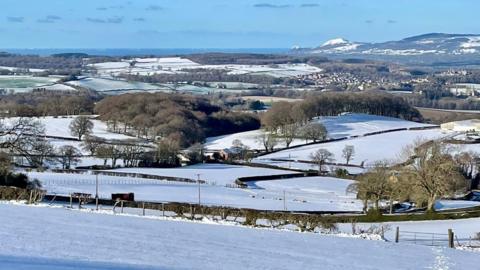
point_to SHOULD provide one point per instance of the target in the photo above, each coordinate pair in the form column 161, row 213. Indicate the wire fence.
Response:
column 126, row 181
column 129, row 181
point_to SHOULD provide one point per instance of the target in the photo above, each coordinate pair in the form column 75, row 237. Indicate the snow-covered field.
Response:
column 387, row 146
column 146, row 66
column 34, row 70
column 308, row 166
column 59, row 87
column 248, row 138
column 346, row 125
column 463, row 228
column 301, row 194
column 220, row 174
column 110, row 86
column 357, row 124
column 25, row 83
column 105, row 85
column 59, row 127
column 56, row 238
column 173, row 65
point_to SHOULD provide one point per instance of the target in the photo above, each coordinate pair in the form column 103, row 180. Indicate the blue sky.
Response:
column 225, row 23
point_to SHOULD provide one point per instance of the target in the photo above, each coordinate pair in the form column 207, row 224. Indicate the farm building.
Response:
column 464, row 126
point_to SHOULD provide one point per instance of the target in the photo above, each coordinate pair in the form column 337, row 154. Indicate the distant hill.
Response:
column 432, row 48
column 433, row 43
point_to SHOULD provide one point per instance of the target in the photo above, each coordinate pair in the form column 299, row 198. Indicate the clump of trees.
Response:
column 287, row 121
column 331, row 104
column 184, row 118
column 432, row 173
column 291, row 120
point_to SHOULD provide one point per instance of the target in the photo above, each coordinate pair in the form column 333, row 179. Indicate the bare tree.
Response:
column 375, row 185
column 467, row 162
column 109, row 151
column 131, row 153
column 348, row 153
column 196, row 153
column 289, row 133
column 313, row 132
column 68, row 156
column 91, row 143
column 16, row 133
column 321, row 157
column 103, row 151
column 241, row 150
column 167, row 152
column 268, row 140
column 80, row 126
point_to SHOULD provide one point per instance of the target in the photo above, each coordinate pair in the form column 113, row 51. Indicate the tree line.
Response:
column 48, row 103
column 210, row 75
column 433, row 172
column 186, row 119
column 287, row 121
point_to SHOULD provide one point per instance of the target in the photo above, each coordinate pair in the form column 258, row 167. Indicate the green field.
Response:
column 19, row 82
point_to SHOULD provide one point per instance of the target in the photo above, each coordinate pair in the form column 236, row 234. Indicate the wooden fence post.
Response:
column 71, row 201
column 397, row 234
column 451, row 244
column 30, row 200
column 163, row 209
column 143, row 208
column 121, row 205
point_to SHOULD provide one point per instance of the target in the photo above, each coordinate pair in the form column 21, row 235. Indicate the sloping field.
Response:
column 341, row 126
column 387, row 146
column 55, row 238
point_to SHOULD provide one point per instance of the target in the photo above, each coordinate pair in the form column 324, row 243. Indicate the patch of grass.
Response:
column 441, row 116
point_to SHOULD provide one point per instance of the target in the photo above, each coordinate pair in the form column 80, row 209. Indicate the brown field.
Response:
column 436, row 116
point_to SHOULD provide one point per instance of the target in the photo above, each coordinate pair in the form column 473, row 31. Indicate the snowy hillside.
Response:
column 55, row 238
column 428, row 44
column 387, row 146
column 346, row 125
column 105, row 85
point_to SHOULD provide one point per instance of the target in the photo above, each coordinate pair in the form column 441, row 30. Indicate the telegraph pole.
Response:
column 96, row 191
column 198, row 181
